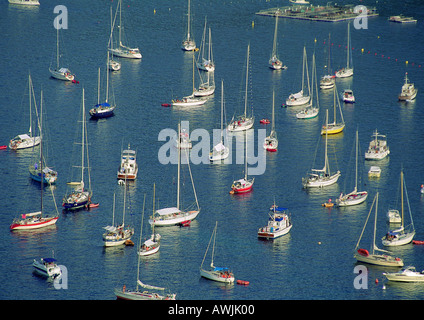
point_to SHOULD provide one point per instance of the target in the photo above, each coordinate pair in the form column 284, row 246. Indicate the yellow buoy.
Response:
column 362, row 50
column 154, row 11
column 253, row 24
column 406, row 61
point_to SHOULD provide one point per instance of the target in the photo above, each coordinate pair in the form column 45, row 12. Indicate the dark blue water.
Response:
column 315, row 260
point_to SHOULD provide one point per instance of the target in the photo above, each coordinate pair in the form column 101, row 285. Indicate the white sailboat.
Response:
column 113, row 65
column 80, row 197
column 188, row 43
column 321, row 177
column 173, row 215
column 328, row 81
column 299, row 98
column 311, row 111
column 26, row 140
column 348, row 71
column 335, row 126
column 151, row 245
column 60, row 73
column 243, row 122
column 219, row 274
column 354, row 197
column 402, row 235
column 121, row 50
column 148, row 292
column 220, row 151
column 116, row 235
column 271, row 142
column 274, row 62
column 245, row 184
column 381, row 259
column 205, row 61
column 36, row 220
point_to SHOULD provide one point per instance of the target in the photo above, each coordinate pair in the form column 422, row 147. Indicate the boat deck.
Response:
column 316, row 13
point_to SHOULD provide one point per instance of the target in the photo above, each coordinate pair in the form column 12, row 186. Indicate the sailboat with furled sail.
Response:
column 274, row 62
column 299, row 98
column 271, row 142
column 60, row 72
column 382, row 259
column 148, row 292
column 245, row 184
column 311, row 111
column 335, row 126
column 80, row 197
column 220, row 151
column 151, row 245
column 348, row 71
column 188, row 43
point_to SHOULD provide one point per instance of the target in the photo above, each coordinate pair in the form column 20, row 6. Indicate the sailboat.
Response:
column 122, row 50
column 104, row 109
column 26, row 140
column 328, row 81
column 113, row 65
column 354, row 197
column 271, row 142
column 147, row 292
column 39, row 171
column 334, row 127
column 298, row 99
column 151, row 245
column 206, row 64
column 321, row 177
column 348, row 71
column 80, row 197
column 220, row 151
column 206, row 86
column 173, row 215
column 245, row 184
column 243, row 122
column 188, row 43
column 117, row 235
column 363, row 255
column 401, row 236
column 36, row 220
column 311, row 111
column 274, row 62
column 219, row 274
column 61, row 73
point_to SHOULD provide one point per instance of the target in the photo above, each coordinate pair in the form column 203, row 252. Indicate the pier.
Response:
column 329, row 13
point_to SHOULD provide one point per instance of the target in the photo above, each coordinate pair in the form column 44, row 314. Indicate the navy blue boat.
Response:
column 102, row 110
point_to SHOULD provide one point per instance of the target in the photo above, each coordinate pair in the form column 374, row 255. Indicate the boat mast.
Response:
column 273, row 123
column 222, row 110
column 153, row 213
column 57, row 49
column 245, row 155
column 274, row 45
column 214, row 239
column 356, row 164
column 188, row 21
column 247, row 80
column 375, row 222
column 326, row 136
column 348, row 44
column 82, row 139
column 401, row 196
column 179, row 164
column 139, row 244
column 29, row 95
column 98, row 87
column 41, row 150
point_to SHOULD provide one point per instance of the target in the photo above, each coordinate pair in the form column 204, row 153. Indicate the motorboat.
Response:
column 409, row 92
column 378, row 148
column 128, row 168
column 408, row 274
column 374, row 172
column 265, row 121
column 47, row 267
column 402, row 19
column 347, row 96
column 279, row 224
column 393, row 216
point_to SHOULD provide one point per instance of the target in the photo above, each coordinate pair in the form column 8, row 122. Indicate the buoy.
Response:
column 3, row 147
column 362, row 50
column 384, row 287
column 253, row 24
column 319, row 242
column 376, row 281
column 129, row 243
column 243, row 282
column 232, row 192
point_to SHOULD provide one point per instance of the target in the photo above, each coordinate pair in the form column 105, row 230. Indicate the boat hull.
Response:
column 191, row 215
column 352, row 199
column 218, row 156
column 136, row 295
column 64, row 76
column 99, row 114
column 149, row 252
column 273, row 235
column 44, row 223
column 333, row 129
column 402, row 240
column 216, row 276
column 29, row 143
column 126, row 54
column 379, row 259
column 321, row 182
column 307, row 114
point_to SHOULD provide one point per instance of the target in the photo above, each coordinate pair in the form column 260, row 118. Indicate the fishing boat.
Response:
column 279, row 224
column 321, row 177
column 401, row 236
column 347, row 96
column 128, row 168
column 243, row 122
column 60, row 72
column 409, row 92
column 299, row 98
column 220, row 151
column 26, row 140
column 274, row 62
column 355, row 197
column 271, row 142
column 374, row 172
column 151, row 245
column 408, row 274
column 378, row 148
column 121, row 50
column 205, row 60
column 116, row 235
column 219, row 274
column 381, row 259
column 147, row 292
column 173, row 215
column 79, row 197
column 104, row 109
column 348, row 71
column 188, row 43
column 334, row 127
column 47, row 267
column 311, row 111
column 328, row 81
column 244, row 184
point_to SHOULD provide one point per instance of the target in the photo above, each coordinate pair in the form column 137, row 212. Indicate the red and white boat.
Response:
column 243, row 185
column 128, row 168
column 33, row 220
column 265, row 121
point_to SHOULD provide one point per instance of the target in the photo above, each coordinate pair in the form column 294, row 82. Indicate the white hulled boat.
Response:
column 274, row 62
column 60, row 73
column 47, row 267
column 348, row 71
column 402, row 235
column 219, row 274
column 328, row 80
column 378, row 148
column 271, row 142
column 347, row 96
column 188, row 43
column 409, row 92
column 128, row 168
column 299, row 98
column 279, row 224
column 408, row 274
column 311, row 111
column 206, row 63
column 25, row 2
column 220, row 151
column 113, row 65
column 374, row 172
column 151, row 245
